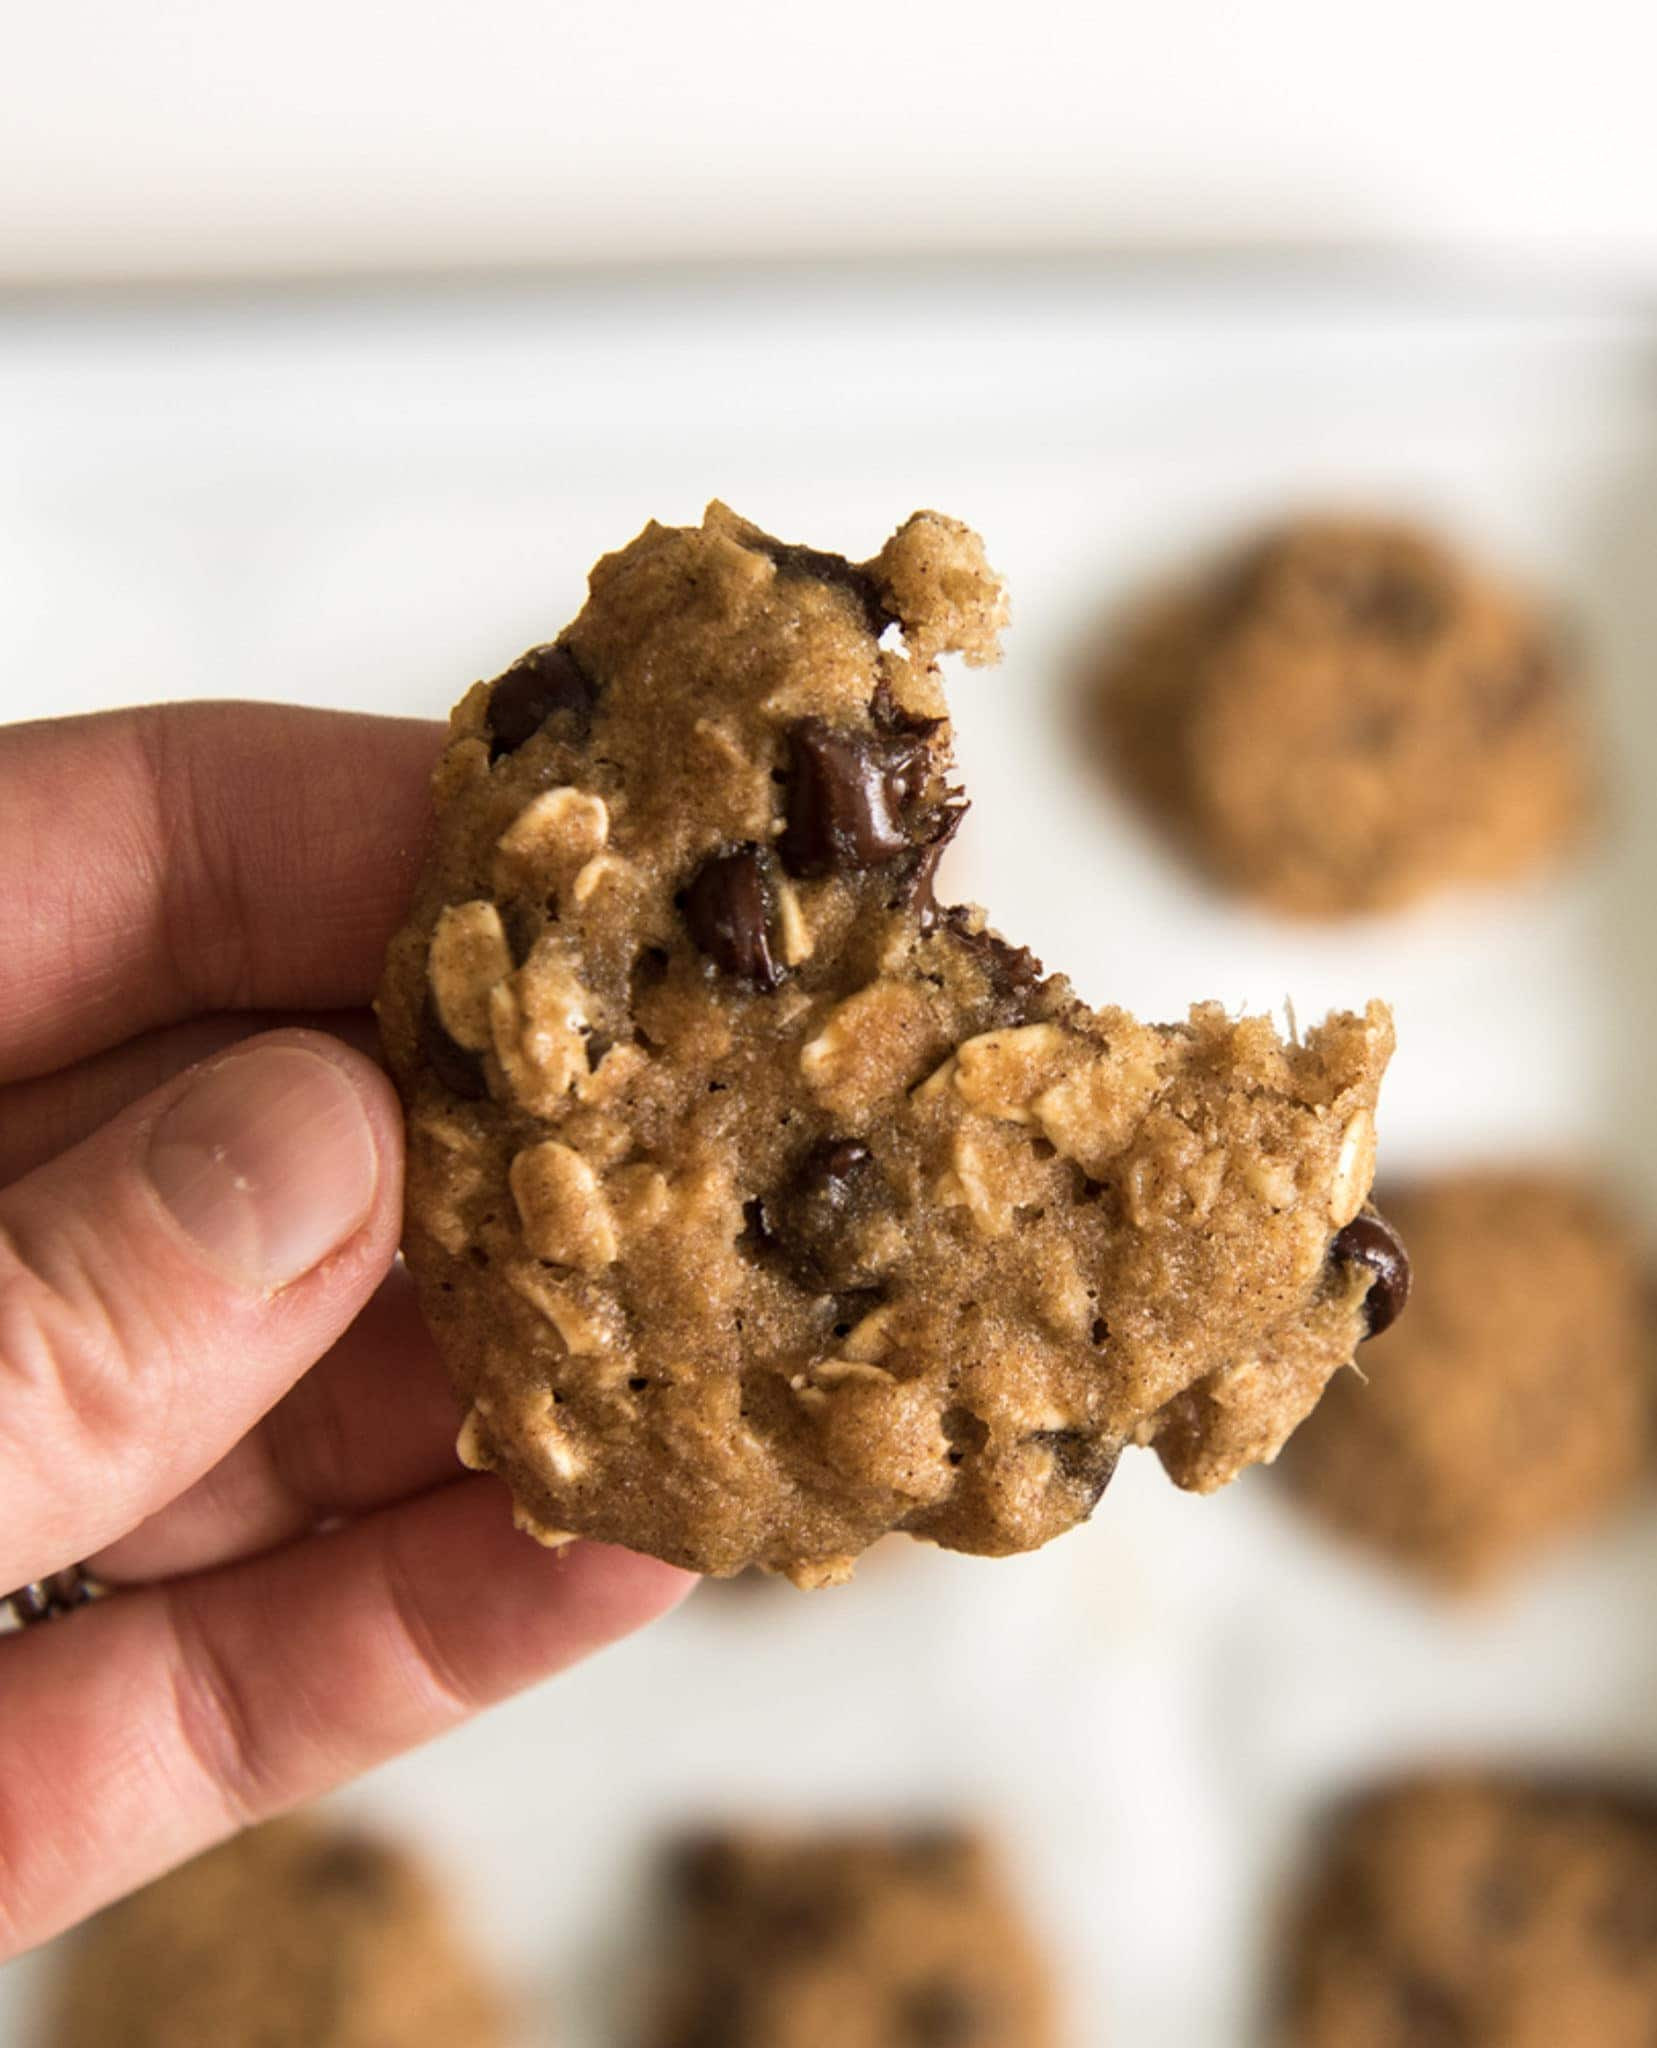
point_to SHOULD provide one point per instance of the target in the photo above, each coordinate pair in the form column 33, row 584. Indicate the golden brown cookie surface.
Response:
column 856, row 1940
column 1514, row 1402
column 1480, row 1912
column 1346, row 716
column 759, row 1205
column 299, row 1934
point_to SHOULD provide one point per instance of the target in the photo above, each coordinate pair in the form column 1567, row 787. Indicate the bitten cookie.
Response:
column 868, row 1940
column 1517, row 1398
column 1346, row 716
column 758, row 1204
column 299, row 1934
column 1469, row 1912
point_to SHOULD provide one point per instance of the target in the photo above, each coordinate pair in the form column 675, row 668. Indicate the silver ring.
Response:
column 46, row 1599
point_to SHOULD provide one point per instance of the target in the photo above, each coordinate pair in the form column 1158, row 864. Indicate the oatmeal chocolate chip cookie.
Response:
column 1517, row 1399
column 759, row 1204
column 300, row 1934
column 1346, row 716
column 1471, row 1912
column 862, row 1940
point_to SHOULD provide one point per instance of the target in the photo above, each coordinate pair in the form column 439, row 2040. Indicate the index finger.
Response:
column 193, row 857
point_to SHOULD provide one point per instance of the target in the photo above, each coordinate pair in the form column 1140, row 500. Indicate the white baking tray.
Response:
column 370, row 501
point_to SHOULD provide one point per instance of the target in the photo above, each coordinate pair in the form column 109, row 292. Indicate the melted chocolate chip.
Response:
column 1013, row 972
column 939, row 2015
column 459, row 1070
column 820, row 567
column 917, row 891
column 727, row 905
column 539, row 684
column 811, row 1221
column 1083, row 1461
column 1370, row 1240
column 847, row 793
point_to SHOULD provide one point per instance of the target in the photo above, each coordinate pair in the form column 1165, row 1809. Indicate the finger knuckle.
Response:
column 213, row 1718
column 421, row 1635
column 200, row 908
column 66, row 1339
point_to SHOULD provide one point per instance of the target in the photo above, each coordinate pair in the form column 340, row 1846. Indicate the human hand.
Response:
column 212, row 1386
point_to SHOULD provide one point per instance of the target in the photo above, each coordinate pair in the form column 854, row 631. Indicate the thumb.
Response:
column 164, row 1283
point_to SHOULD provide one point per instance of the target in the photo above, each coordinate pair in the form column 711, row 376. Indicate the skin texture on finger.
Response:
column 133, row 1355
column 373, row 1423
column 195, row 857
column 180, row 1713
column 42, row 1117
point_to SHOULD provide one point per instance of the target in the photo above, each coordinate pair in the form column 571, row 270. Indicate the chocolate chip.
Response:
column 847, row 793
column 812, row 1220
column 939, row 2015
column 820, row 567
column 727, row 905
column 457, row 1068
column 1013, row 972
column 1081, row 1459
column 917, row 888
column 1370, row 1240
column 539, row 684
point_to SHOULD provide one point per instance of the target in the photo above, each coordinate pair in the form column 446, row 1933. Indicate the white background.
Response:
column 182, row 136
column 368, row 501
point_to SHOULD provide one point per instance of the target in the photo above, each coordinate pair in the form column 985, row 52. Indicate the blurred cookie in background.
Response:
column 1346, row 715
column 1513, row 1403
column 899, row 1938
column 1478, row 1912
column 298, row 1934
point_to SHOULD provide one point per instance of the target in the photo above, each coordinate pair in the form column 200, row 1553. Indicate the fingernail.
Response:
column 266, row 1162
